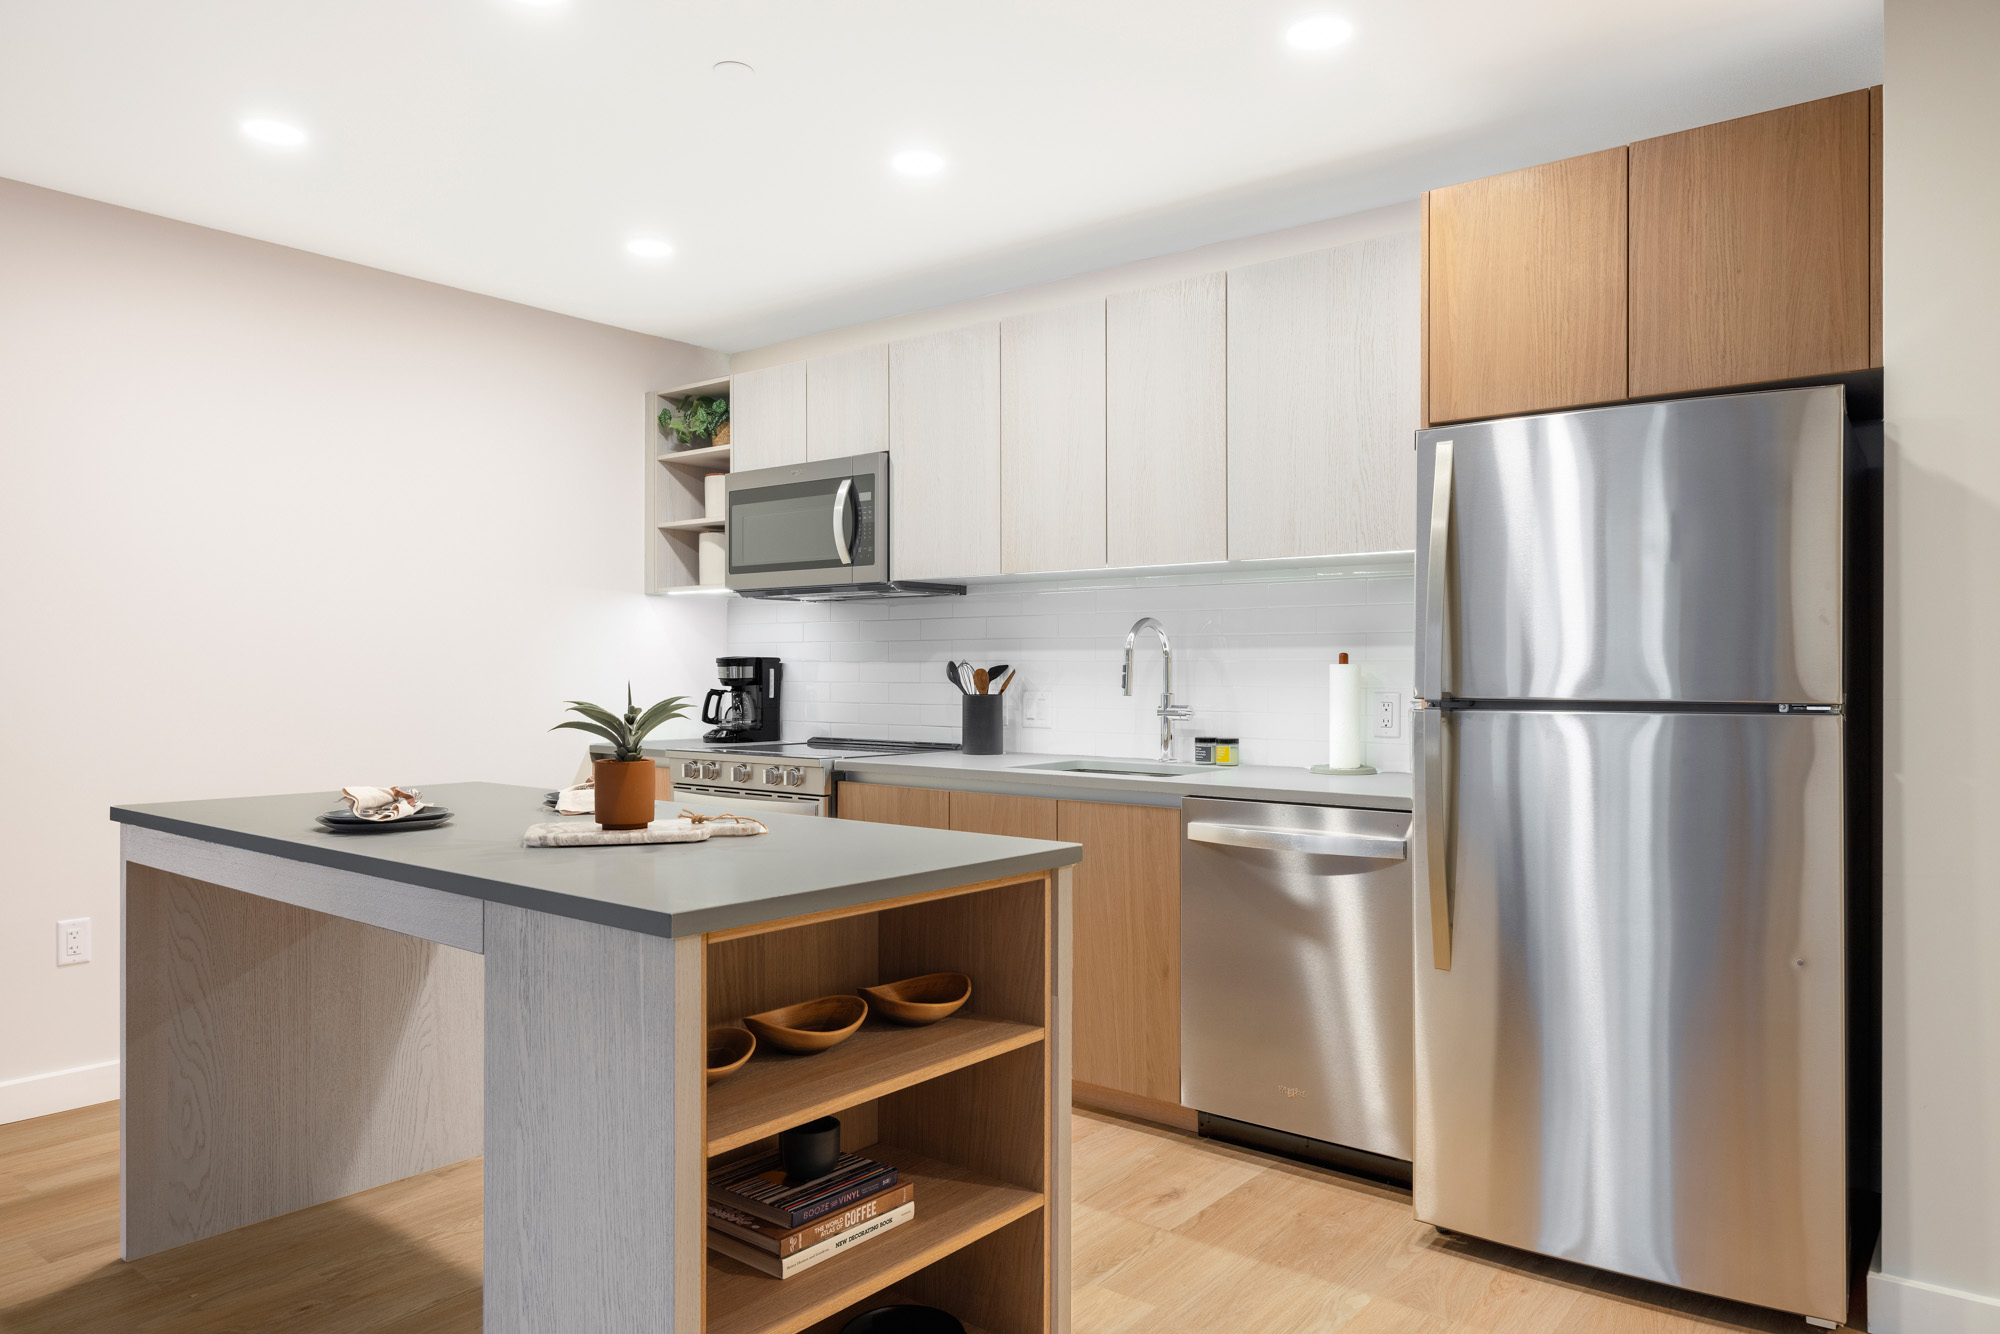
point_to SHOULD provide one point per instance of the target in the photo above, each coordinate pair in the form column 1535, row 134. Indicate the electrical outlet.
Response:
column 72, row 941
column 1385, row 715
column 1035, row 709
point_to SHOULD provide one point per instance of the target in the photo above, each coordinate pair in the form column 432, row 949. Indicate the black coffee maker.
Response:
column 746, row 707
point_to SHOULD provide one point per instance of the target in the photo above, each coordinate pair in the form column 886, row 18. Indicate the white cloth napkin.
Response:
column 383, row 803
column 578, row 800
column 587, row 833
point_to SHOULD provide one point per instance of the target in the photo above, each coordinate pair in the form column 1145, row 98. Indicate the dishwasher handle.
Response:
column 1372, row 847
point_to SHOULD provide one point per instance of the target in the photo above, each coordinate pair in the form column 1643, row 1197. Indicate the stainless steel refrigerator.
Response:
column 1629, row 860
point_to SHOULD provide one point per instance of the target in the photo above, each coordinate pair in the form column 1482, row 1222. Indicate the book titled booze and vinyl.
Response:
column 784, row 1241
column 757, row 1187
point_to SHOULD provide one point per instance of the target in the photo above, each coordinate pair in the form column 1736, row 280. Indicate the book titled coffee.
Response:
column 788, row 1265
column 783, row 1241
column 758, row 1187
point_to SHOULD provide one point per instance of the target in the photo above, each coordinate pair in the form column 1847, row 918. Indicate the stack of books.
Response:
column 756, row 1218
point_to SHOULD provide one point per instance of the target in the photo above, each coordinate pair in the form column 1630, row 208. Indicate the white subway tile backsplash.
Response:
column 1249, row 658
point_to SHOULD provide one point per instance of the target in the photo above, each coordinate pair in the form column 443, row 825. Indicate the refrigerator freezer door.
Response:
column 1295, row 969
column 1688, row 551
column 1636, row 1060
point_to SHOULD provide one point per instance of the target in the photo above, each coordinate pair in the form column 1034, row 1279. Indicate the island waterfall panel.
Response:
column 276, row 1057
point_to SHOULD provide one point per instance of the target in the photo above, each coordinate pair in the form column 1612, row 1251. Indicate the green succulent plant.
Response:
column 694, row 418
column 626, row 732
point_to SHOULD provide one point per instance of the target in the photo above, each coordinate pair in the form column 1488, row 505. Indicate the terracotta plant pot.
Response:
column 624, row 793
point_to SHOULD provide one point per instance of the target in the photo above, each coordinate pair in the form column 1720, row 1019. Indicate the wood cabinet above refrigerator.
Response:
column 1735, row 254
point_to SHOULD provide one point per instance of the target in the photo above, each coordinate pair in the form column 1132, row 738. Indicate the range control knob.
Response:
column 795, row 777
column 711, row 769
column 741, row 773
column 690, row 768
column 773, row 776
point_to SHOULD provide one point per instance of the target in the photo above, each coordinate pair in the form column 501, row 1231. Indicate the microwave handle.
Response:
column 840, row 520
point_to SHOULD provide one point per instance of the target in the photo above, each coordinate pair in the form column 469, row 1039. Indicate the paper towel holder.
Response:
column 1357, row 772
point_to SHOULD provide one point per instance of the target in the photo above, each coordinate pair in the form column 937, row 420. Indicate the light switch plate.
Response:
column 72, row 941
column 1385, row 714
column 1035, row 709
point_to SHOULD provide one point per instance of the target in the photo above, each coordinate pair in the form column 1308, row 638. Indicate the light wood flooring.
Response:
column 1172, row 1236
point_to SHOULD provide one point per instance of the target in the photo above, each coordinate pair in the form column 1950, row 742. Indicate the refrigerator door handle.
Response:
column 1435, row 791
column 1430, row 681
column 1374, row 847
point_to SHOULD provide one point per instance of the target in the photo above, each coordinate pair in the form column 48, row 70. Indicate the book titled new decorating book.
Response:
column 757, row 1187
column 783, row 1241
column 787, row 1265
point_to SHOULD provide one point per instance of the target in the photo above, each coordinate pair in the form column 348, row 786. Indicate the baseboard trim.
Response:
column 1135, row 1105
column 57, row 1091
column 1899, row 1305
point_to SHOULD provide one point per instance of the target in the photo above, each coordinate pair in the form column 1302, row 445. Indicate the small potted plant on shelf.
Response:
column 623, row 784
column 697, row 421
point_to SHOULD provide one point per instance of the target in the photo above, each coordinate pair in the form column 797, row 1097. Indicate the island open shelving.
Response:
column 972, row 1110
column 675, row 509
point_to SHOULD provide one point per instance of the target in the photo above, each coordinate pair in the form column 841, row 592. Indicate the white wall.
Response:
column 273, row 523
column 1250, row 658
column 1940, row 1254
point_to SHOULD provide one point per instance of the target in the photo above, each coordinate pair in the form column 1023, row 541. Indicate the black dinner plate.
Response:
column 904, row 1320
column 344, row 821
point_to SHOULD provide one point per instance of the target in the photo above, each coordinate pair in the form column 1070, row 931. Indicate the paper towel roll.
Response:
column 1345, row 746
column 714, row 562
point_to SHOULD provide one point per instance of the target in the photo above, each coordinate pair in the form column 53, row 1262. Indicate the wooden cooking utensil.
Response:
column 979, row 679
column 1004, row 684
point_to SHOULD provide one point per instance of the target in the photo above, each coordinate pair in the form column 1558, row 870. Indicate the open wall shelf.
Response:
column 676, row 509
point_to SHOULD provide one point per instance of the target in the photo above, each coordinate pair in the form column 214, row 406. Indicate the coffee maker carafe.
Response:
column 746, row 707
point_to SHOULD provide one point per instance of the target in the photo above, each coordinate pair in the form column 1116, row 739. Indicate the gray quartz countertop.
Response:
column 803, row 865
column 1008, row 774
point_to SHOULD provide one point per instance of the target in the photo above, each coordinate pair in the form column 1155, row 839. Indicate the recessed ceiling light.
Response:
column 918, row 162
column 648, row 247
column 276, row 133
column 1321, row 32
column 731, row 69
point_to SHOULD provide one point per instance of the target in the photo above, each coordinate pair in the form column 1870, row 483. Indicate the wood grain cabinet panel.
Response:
column 883, row 804
column 1750, row 249
column 1323, row 401
column 1128, row 947
column 1015, row 817
column 944, row 429
column 767, row 417
column 1166, row 424
column 1527, row 290
column 1052, row 439
column 847, row 402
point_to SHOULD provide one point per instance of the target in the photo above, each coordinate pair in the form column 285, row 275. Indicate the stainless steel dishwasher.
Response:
column 1296, row 990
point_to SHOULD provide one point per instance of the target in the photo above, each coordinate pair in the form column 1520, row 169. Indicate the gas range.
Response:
column 795, row 774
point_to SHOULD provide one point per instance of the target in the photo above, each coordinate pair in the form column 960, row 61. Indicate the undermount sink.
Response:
column 1117, row 768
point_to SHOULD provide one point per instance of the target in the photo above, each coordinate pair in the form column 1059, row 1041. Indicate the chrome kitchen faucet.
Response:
column 1168, row 710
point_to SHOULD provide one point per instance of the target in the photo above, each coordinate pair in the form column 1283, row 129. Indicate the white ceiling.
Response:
column 513, row 149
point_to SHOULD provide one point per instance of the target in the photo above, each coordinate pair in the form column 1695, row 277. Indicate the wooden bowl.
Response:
column 728, row 1049
column 810, row 1026
column 920, row 1000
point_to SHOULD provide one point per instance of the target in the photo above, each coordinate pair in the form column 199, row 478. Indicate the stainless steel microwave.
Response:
column 815, row 531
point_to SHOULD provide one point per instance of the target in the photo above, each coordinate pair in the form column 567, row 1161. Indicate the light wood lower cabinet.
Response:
column 1127, row 972
column 881, row 804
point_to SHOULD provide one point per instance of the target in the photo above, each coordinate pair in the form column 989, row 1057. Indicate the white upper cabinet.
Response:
column 847, row 403
column 944, row 434
column 767, row 417
column 1052, row 440
column 1324, row 398
column 1166, row 455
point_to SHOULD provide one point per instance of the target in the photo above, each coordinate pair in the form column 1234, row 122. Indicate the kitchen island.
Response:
column 307, row 1015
